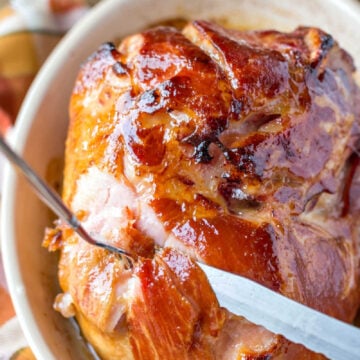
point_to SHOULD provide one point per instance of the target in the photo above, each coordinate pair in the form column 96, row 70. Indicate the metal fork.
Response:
column 53, row 200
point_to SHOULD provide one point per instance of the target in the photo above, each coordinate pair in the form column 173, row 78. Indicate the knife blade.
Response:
column 281, row 315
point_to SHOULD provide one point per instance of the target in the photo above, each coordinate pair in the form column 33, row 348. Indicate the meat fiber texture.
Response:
column 238, row 149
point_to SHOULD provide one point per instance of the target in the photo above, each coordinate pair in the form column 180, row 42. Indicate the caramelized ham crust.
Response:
column 238, row 149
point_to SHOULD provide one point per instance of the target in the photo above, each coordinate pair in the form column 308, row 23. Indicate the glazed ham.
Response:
column 237, row 149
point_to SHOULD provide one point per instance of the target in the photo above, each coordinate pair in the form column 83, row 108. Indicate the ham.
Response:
column 234, row 148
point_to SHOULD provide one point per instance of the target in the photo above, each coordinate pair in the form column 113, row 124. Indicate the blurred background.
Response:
column 29, row 30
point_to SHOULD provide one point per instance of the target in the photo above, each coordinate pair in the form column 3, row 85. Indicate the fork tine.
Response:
column 54, row 201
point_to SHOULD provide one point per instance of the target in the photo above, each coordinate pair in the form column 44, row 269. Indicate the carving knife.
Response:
column 298, row 323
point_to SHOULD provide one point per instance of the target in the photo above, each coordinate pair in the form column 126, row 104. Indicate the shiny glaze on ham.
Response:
column 238, row 149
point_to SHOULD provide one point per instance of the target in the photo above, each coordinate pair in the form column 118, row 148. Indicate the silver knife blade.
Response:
column 298, row 323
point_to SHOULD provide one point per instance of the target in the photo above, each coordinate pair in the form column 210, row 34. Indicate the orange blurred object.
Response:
column 60, row 6
column 5, row 121
column 6, row 308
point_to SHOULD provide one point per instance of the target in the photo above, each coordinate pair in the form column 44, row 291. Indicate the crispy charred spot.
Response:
column 326, row 44
column 119, row 69
column 152, row 101
column 105, row 49
column 258, row 357
column 107, row 46
column 201, row 152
